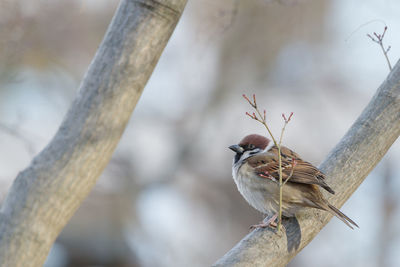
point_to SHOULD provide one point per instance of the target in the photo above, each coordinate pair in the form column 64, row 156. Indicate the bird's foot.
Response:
column 260, row 225
column 270, row 223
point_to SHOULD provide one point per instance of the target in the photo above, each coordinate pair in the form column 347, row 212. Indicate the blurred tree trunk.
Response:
column 46, row 194
column 362, row 147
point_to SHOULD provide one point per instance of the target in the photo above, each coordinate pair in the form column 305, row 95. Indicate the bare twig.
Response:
column 378, row 38
column 262, row 119
column 280, row 167
column 294, row 163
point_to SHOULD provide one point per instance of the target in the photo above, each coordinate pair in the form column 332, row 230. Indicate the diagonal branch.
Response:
column 46, row 194
column 362, row 147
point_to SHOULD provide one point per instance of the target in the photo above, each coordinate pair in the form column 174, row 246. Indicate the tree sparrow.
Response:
column 256, row 173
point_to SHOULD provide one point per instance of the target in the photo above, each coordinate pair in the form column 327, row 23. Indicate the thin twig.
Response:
column 280, row 168
column 294, row 163
column 262, row 118
column 379, row 41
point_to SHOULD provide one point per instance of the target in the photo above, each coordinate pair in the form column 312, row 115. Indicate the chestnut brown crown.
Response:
column 257, row 140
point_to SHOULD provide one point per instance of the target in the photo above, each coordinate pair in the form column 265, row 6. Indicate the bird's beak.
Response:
column 236, row 148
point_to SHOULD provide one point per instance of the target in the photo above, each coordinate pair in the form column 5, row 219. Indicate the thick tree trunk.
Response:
column 346, row 166
column 46, row 194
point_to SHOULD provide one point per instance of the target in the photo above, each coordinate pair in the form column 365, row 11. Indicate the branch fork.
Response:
column 378, row 38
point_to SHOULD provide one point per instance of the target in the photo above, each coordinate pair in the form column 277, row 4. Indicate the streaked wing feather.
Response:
column 267, row 165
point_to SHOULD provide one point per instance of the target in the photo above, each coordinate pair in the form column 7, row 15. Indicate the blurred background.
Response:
column 307, row 56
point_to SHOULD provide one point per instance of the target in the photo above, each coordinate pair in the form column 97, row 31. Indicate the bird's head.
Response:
column 249, row 145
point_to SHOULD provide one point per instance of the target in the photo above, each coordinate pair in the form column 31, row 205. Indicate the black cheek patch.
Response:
column 237, row 157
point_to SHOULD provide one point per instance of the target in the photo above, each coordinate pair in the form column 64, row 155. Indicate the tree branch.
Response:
column 362, row 147
column 46, row 194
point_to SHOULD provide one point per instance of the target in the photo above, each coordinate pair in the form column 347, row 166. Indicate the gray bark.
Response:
column 46, row 194
column 362, row 147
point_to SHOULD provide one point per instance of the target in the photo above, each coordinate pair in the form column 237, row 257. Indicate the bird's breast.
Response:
column 260, row 193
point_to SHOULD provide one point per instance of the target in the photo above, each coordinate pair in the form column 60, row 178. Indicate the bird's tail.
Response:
column 334, row 211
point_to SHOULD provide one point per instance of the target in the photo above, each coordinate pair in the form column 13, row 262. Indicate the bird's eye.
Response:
column 251, row 146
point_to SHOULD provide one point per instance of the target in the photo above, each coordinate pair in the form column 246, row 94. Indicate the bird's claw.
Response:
column 270, row 223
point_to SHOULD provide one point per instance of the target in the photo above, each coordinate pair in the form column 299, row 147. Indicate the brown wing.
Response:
column 267, row 166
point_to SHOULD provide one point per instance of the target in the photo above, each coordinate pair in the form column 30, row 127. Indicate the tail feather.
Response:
column 327, row 188
column 349, row 222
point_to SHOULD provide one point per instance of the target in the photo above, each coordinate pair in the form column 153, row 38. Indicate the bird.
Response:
column 255, row 170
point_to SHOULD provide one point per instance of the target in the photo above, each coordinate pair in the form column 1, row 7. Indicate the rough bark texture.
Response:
column 346, row 166
column 46, row 194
